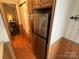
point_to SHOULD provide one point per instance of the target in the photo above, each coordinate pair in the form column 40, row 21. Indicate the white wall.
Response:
column 61, row 19
column 3, row 33
column 73, row 29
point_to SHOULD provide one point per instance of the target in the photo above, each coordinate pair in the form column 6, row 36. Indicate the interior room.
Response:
column 39, row 29
column 27, row 28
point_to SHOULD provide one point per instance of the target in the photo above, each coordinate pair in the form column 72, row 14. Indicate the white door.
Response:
column 73, row 27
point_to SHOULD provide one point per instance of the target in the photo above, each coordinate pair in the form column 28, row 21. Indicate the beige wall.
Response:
column 21, row 1
column 18, row 13
column 8, row 1
column 24, row 16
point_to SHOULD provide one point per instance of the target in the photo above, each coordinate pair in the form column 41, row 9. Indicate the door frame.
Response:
column 5, row 20
column 51, row 27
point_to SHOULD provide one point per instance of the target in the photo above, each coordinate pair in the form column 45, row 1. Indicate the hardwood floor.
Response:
column 39, row 47
column 64, row 49
column 68, row 50
column 22, row 48
column 6, row 52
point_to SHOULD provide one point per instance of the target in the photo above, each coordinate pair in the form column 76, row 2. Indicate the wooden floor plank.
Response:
column 22, row 48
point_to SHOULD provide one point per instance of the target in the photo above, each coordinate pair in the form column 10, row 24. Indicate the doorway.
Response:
column 12, row 18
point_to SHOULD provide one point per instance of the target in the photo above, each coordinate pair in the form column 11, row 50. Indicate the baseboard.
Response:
column 73, row 41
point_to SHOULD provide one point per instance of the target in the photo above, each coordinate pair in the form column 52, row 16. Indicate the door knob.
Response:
column 75, row 18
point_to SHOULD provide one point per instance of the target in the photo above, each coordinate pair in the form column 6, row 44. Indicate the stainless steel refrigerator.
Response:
column 41, row 25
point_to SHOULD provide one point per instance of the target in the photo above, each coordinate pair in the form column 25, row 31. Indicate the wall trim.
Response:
column 71, row 40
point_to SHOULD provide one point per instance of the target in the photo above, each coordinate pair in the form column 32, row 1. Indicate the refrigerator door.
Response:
column 41, row 24
column 36, row 23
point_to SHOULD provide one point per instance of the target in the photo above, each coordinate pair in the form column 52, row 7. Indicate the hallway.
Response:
column 22, row 48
